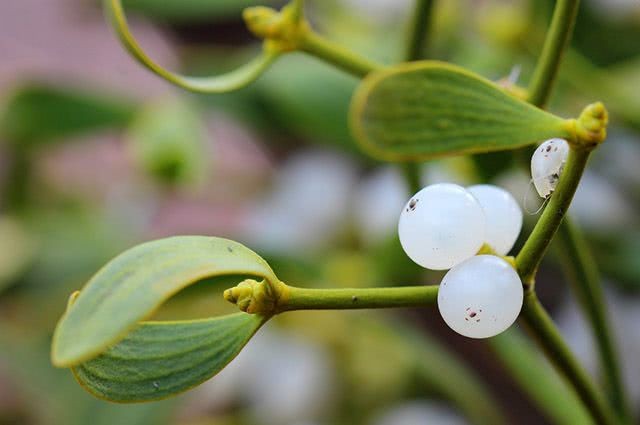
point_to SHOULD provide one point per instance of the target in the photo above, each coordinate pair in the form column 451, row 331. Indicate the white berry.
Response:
column 441, row 225
column 503, row 214
column 480, row 297
column 547, row 163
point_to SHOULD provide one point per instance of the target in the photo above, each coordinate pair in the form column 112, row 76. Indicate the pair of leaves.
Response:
column 116, row 357
column 420, row 110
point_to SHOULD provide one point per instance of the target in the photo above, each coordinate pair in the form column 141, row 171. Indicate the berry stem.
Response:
column 549, row 338
column 294, row 298
column 555, row 44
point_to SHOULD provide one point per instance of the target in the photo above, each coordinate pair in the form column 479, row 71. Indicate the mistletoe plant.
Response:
column 409, row 112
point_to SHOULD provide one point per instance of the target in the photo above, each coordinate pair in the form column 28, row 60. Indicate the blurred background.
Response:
column 97, row 155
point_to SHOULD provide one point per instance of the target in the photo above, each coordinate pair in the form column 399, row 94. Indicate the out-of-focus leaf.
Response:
column 168, row 141
column 436, row 369
column 135, row 283
column 39, row 113
column 617, row 255
column 616, row 86
column 309, row 99
column 17, row 248
column 490, row 165
column 427, row 109
column 160, row 359
column 186, row 11
column 536, row 377
column 606, row 41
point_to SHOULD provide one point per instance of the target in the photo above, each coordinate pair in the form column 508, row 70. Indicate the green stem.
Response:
column 580, row 268
column 538, row 242
column 535, row 376
column 418, row 30
column 15, row 194
column 318, row 46
column 549, row 338
column 558, row 36
column 411, row 172
column 294, row 298
column 420, row 23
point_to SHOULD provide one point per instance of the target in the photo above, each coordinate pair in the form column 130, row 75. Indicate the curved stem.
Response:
column 222, row 83
column 420, row 23
column 294, row 298
column 316, row 45
column 580, row 268
column 549, row 338
column 558, row 36
column 538, row 242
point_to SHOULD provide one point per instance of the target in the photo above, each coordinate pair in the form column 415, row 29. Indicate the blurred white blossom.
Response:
column 420, row 413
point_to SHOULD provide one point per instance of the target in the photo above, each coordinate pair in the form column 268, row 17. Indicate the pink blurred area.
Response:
column 67, row 42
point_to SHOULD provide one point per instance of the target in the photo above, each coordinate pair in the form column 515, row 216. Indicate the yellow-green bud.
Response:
column 252, row 297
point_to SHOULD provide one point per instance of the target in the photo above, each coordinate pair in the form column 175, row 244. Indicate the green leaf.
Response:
column 40, row 113
column 230, row 81
column 135, row 283
column 421, row 110
column 160, row 359
column 317, row 111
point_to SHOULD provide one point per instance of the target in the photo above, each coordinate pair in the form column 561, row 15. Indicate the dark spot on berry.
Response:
column 354, row 299
column 549, row 148
column 229, row 249
column 472, row 314
column 556, row 149
column 413, row 203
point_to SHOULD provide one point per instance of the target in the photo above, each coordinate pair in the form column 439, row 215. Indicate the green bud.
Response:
column 253, row 297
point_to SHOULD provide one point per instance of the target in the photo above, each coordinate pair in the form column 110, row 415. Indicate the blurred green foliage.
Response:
column 53, row 243
column 37, row 113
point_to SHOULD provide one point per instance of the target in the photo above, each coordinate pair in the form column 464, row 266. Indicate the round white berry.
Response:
column 503, row 214
column 546, row 165
column 480, row 297
column 441, row 225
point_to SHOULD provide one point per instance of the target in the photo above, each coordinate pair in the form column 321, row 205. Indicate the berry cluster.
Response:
column 443, row 226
